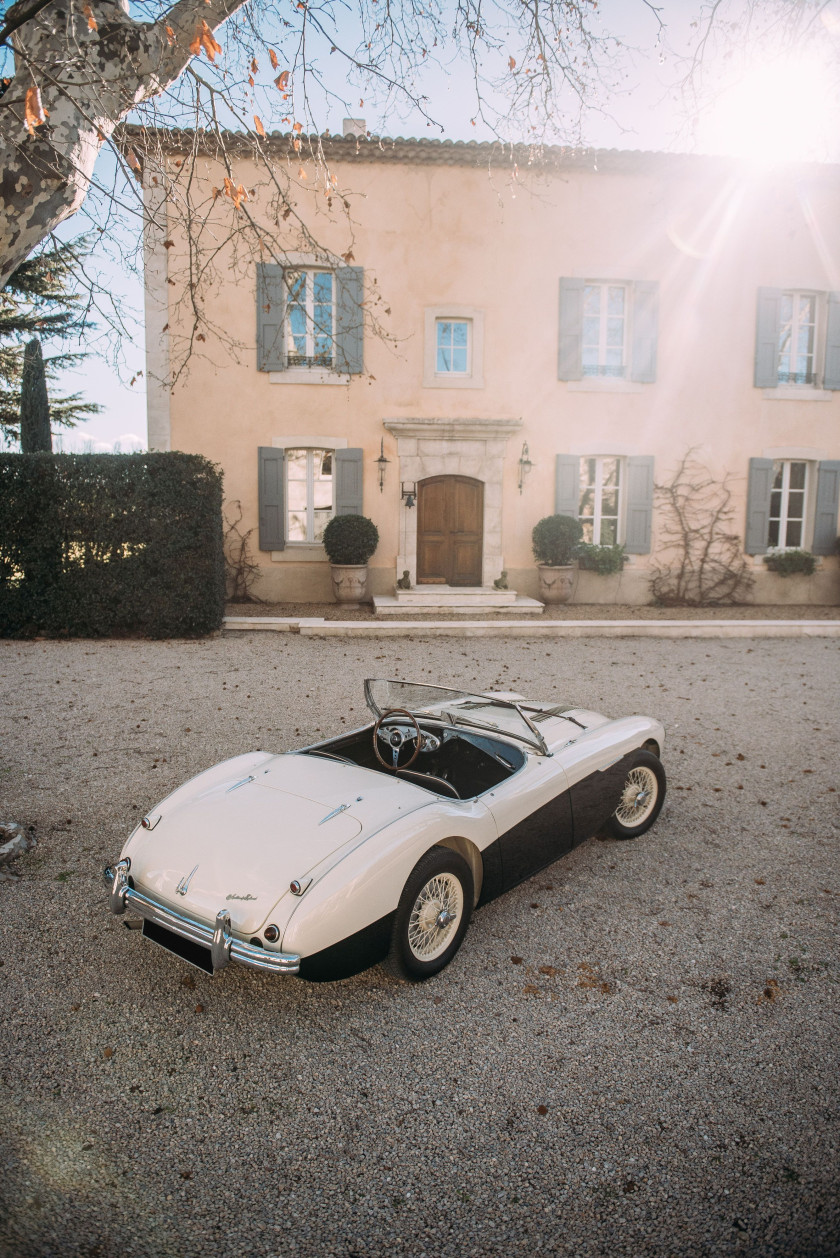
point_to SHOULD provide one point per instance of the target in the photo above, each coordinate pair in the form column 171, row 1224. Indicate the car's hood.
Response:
column 239, row 844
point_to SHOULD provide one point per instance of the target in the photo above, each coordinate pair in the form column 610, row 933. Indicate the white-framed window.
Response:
column 604, row 333
column 788, row 499
column 309, row 494
column 797, row 337
column 310, row 318
column 797, row 344
column 599, row 510
column 453, row 346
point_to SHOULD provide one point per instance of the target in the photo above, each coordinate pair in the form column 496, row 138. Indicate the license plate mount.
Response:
column 194, row 954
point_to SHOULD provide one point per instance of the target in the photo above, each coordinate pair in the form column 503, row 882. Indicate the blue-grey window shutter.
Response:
column 567, row 485
column 645, row 331
column 767, row 325
column 349, row 320
column 271, row 350
column 639, row 504
column 828, row 501
column 272, row 496
column 831, row 376
column 348, row 482
column 570, row 346
column 759, row 488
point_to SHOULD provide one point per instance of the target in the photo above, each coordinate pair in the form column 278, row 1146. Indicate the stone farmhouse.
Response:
column 488, row 339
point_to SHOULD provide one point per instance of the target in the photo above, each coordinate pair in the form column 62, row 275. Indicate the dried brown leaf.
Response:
column 34, row 112
column 205, row 39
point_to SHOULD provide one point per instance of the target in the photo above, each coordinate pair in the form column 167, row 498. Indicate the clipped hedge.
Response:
column 96, row 544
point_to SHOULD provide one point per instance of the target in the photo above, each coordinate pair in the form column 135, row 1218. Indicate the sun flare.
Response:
column 786, row 110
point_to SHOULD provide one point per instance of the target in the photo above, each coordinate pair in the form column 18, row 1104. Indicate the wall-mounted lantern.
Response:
column 381, row 464
column 525, row 465
column 408, row 493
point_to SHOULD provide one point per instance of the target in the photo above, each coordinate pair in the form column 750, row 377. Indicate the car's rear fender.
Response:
column 365, row 884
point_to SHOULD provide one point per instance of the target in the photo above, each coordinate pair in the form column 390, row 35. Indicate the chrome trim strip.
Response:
column 184, row 885
column 242, row 782
column 217, row 938
column 334, row 813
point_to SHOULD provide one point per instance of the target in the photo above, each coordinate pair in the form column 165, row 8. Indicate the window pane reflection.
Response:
column 309, row 494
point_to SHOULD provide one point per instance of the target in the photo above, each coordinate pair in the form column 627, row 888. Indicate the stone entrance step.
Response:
column 432, row 600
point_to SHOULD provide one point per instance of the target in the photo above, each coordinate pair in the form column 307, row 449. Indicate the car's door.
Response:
column 533, row 815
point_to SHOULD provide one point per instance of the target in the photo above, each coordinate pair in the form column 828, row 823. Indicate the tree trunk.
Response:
column 78, row 73
column 35, row 434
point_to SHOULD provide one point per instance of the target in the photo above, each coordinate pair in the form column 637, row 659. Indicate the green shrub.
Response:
column 98, row 544
column 601, row 559
column 350, row 539
column 554, row 539
column 788, row 563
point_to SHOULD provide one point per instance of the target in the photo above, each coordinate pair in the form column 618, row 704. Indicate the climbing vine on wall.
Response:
column 701, row 560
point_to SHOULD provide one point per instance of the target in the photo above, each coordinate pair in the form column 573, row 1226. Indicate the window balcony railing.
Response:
column 599, row 369
column 797, row 377
column 310, row 360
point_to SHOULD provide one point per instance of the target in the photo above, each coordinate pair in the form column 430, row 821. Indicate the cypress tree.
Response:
column 35, row 434
column 39, row 300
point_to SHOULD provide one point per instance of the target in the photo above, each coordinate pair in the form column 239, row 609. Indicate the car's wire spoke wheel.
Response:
column 432, row 916
column 435, row 917
column 641, row 798
column 638, row 799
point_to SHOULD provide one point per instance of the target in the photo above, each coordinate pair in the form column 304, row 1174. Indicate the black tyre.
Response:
column 642, row 797
column 432, row 917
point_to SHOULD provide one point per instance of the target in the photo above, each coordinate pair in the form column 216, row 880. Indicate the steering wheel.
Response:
column 396, row 738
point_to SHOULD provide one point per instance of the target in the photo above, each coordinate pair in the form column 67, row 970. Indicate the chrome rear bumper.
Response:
column 217, row 939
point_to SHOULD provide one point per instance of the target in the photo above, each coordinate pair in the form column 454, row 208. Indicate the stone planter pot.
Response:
column 556, row 584
column 350, row 583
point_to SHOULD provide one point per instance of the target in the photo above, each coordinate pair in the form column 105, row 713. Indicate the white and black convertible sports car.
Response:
column 379, row 844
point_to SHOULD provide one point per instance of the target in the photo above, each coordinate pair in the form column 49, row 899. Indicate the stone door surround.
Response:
column 447, row 447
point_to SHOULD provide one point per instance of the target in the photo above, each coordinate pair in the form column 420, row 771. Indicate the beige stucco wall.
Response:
column 432, row 235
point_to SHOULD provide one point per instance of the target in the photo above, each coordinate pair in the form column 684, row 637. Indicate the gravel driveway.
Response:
column 634, row 1053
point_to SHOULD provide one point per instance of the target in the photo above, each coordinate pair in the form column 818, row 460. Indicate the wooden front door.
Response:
column 450, row 530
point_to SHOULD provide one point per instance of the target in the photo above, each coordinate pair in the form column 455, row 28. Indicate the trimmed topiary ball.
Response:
column 350, row 539
column 555, row 538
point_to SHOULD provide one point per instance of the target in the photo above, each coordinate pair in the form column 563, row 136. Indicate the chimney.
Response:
column 354, row 126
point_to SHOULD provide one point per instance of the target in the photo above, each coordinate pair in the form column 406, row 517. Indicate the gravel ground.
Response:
column 573, row 611
column 633, row 1053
